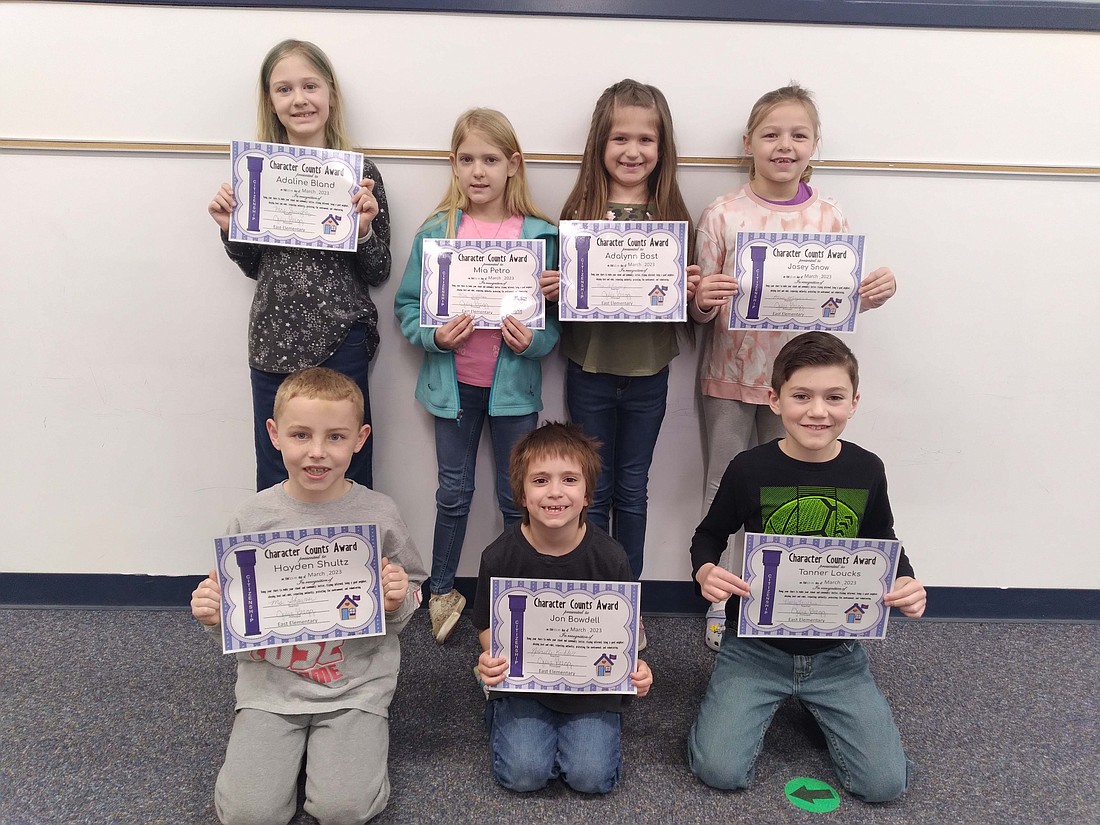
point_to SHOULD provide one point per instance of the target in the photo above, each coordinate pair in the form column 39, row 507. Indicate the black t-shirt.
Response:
column 598, row 557
column 766, row 491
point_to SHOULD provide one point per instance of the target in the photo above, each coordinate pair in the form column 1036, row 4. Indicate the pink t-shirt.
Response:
column 476, row 360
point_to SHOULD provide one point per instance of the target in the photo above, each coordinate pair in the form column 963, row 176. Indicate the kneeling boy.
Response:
column 324, row 696
column 814, row 390
column 536, row 737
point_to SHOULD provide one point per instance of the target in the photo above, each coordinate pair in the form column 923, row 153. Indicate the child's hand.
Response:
column 395, row 584
column 454, row 333
column 550, row 284
column 492, row 669
column 366, row 205
column 714, row 290
column 642, row 678
column 908, row 596
column 206, row 601
column 877, row 288
column 221, row 207
column 516, row 335
column 694, row 274
column 718, row 584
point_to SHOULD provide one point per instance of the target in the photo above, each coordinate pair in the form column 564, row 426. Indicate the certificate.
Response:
column 623, row 270
column 797, row 281
column 294, row 195
column 486, row 279
column 565, row 636
column 292, row 586
column 818, row 588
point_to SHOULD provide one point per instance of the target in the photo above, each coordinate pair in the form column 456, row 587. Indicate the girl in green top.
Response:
column 617, row 375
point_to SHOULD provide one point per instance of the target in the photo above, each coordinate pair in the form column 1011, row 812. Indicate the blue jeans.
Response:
column 350, row 358
column 751, row 678
column 625, row 414
column 531, row 744
column 456, row 454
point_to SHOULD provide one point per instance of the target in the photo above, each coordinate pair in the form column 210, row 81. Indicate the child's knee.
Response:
column 717, row 767
column 238, row 810
column 881, row 782
column 523, row 772
column 352, row 811
column 596, row 779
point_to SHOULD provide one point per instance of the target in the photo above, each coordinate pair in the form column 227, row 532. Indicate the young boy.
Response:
column 815, row 380
column 327, row 696
column 536, row 737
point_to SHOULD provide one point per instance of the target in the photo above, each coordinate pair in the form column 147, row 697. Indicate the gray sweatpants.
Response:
column 346, row 780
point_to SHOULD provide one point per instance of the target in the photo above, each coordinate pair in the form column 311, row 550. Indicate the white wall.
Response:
column 126, row 411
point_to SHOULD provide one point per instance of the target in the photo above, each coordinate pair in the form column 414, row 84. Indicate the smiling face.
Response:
column 815, row 404
column 317, row 439
column 555, row 493
column 631, row 153
column 781, row 147
column 301, row 99
column 482, row 171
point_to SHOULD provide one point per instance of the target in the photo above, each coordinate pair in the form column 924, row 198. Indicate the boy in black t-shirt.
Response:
column 765, row 490
column 536, row 737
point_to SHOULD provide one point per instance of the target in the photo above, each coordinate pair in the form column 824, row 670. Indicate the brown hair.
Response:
column 498, row 131
column 588, row 200
column 268, row 126
column 792, row 93
column 557, row 439
column 319, row 383
column 813, row 349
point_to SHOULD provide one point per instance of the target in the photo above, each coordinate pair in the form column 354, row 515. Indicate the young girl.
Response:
column 312, row 307
column 617, row 374
column 469, row 374
column 781, row 136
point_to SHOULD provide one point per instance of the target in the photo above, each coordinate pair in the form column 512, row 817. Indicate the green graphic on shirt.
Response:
column 833, row 512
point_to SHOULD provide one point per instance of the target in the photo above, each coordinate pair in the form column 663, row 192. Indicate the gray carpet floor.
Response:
column 123, row 717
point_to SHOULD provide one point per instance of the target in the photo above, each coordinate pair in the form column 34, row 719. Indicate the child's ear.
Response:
column 513, row 164
column 454, row 165
column 746, row 143
column 855, row 403
column 773, row 400
column 273, row 433
column 364, row 431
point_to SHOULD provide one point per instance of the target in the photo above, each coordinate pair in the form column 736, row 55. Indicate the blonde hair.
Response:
column 268, row 126
column 498, row 131
column 318, row 383
column 588, row 200
column 791, row 93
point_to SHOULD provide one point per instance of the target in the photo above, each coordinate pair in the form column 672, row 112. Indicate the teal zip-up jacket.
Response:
column 517, row 378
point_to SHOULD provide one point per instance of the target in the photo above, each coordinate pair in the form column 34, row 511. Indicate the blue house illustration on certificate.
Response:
column 330, row 224
column 604, row 665
column 829, row 308
column 657, row 295
column 347, row 607
column 855, row 613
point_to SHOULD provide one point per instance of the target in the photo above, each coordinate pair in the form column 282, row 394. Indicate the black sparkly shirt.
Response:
column 307, row 299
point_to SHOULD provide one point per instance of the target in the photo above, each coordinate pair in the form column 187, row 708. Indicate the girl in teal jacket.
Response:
column 470, row 374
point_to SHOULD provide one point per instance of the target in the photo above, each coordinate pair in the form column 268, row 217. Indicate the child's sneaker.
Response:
column 716, row 624
column 445, row 609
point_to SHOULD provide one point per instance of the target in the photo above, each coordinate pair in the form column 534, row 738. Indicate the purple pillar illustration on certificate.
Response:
column 255, row 173
column 444, row 262
column 516, row 606
column 584, row 243
column 246, row 562
column 767, row 590
column 756, row 282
